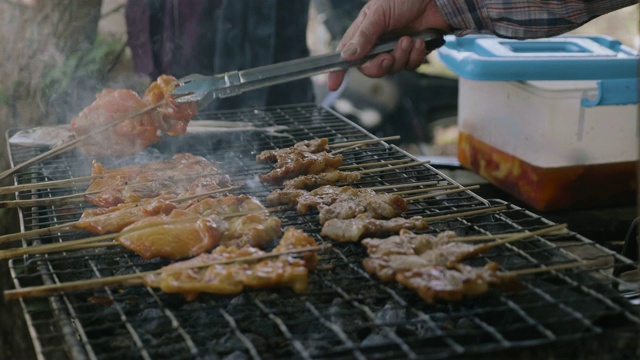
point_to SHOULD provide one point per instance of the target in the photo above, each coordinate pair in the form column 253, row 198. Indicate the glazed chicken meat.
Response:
column 135, row 133
column 345, row 230
column 198, row 275
column 183, row 175
column 343, row 202
column 430, row 265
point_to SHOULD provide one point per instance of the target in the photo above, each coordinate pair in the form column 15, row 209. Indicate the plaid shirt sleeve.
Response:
column 523, row 19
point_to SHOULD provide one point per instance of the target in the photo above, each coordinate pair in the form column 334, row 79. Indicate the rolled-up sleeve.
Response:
column 523, row 19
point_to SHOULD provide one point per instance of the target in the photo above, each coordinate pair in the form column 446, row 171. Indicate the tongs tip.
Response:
column 191, row 88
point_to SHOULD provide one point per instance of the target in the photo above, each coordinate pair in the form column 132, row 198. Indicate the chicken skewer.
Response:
column 102, row 179
column 121, row 113
column 363, row 142
column 80, row 197
column 310, row 157
column 351, row 230
column 333, row 176
column 54, row 184
column 236, row 220
column 140, row 208
column 294, row 242
column 431, row 264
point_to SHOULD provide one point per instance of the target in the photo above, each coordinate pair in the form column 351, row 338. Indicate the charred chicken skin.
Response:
column 136, row 133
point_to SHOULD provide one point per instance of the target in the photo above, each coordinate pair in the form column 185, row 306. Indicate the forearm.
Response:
column 522, row 19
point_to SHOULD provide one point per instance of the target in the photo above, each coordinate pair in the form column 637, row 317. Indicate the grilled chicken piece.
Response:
column 201, row 225
column 310, row 146
column 311, row 182
column 178, row 235
column 194, row 276
column 370, row 205
column 434, row 283
column 408, row 251
column 116, row 218
column 252, row 225
column 172, row 117
column 167, row 177
column 343, row 202
column 134, row 134
column 296, row 162
column 345, row 230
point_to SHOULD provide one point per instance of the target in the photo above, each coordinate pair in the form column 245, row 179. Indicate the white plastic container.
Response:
column 553, row 122
column 544, row 124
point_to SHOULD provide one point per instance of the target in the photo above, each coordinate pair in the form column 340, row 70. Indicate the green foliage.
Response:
column 83, row 65
column 4, row 98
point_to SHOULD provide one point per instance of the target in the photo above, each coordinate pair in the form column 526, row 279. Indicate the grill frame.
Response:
column 77, row 340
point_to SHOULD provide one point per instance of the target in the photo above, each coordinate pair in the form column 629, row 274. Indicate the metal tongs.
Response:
column 196, row 87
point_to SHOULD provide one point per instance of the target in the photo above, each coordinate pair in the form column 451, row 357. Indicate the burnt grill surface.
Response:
column 347, row 313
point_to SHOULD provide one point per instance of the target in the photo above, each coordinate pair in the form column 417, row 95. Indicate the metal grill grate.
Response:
column 347, row 312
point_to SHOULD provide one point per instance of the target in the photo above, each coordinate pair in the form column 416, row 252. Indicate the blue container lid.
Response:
column 487, row 57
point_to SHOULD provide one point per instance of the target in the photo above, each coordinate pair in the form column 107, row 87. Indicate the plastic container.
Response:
column 553, row 121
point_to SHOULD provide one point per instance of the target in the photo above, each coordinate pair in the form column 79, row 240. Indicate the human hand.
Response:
column 381, row 17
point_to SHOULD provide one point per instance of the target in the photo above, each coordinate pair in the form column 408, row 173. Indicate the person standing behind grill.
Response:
column 519, row 19
column 214, row 36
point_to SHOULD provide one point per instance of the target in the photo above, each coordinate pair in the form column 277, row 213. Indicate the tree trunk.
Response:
column 37, row 38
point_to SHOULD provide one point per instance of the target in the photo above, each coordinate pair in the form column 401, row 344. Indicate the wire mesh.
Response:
column 347, row 313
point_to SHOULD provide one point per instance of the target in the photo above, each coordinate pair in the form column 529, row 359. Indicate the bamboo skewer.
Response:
column 137, row 278
column 520, row 236
column 549, row 268
column 57, row 200
column 335, row 152
column 71, row 245
column 486, row 246
column 417, row 163
column 69, row 226
column 48, row 184
column 366, row 165
column 421, row 190
column 74, row 143
column 473, row 238
column 363, row 142
column 465, row 213
column 400, row 186
column 440, row 193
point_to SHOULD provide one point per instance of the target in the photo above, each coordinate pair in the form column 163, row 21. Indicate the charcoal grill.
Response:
column 347, row 313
